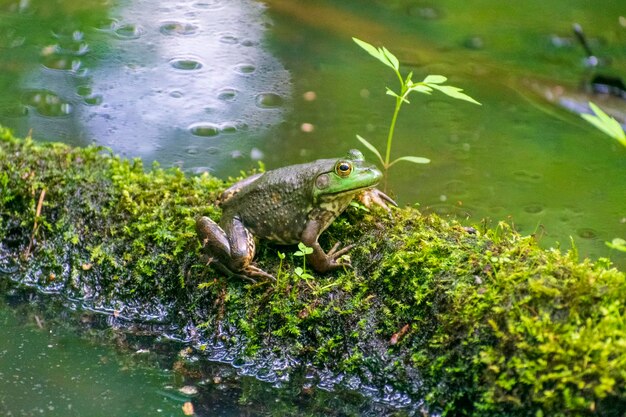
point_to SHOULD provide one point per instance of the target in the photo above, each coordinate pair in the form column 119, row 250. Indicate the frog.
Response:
column 289, row 205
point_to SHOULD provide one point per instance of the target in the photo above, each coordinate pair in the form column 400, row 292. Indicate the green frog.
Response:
column 289, row 205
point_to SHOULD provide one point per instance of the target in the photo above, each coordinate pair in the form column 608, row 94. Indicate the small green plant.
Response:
column 303, row 251
column 407, row 86
column 617, row 244
column 605, row 123
column 611, row 127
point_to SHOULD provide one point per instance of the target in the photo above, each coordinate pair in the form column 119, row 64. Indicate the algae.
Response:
column 435, row 315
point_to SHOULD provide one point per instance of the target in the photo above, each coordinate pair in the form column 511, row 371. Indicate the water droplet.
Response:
column 106, row 24
column 248, row 42
column 93, row 100
column 228, row 128
column 587, row 233
column 245, row 68
column 229, row 39
column 176, row 94
column 256, row 154
column 525, row 176
column 47, row 103
column 178, row 29
column 204, row 129
column 269, row 100
column 533, row 208
column 186, row 64
column 192, row 150
column 208, row 4
column 456, row 188
column 129, row 31
column 227, row 94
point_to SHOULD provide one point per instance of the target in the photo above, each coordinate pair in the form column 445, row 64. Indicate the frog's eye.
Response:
column 343, row 168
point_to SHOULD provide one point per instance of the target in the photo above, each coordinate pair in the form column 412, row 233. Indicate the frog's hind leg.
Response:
column 242, row 249
column 213, row 238
column 230, row 246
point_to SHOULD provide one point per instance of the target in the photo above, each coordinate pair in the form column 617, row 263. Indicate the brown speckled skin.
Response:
column 280, row 205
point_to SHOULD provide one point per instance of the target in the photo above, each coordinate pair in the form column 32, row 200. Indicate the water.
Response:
column 55, row 361
column 218, row 85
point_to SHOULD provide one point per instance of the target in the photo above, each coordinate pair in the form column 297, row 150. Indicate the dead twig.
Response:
column 29, row 249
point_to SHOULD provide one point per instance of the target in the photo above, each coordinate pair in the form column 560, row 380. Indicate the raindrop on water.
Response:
column 129, row 31
column 245, row 68
column 229, row 39
column 227, row 94
column 208, row 4
column 178, row 29
column 186, row 64
column 533, row 208
column 269, row 100
column 93, row 100
column 204, row 129
column 587, row 233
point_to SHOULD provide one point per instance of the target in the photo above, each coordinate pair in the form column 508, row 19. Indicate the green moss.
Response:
column 474, row 322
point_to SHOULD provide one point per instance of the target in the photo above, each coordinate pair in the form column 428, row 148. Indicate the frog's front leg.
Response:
column 320, row 260
column 231, row 245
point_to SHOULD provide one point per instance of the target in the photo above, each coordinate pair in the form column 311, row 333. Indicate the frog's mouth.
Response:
column 351, row 191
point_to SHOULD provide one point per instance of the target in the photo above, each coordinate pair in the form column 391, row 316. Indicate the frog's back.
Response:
column 275, row 205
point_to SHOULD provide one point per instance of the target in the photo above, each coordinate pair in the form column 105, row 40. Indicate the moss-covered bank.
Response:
column 472, row 322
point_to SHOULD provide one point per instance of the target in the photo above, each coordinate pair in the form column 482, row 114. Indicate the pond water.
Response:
column 56, row 361
column 219, row 85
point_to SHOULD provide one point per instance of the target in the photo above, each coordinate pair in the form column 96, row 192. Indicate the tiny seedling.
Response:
column 407, row 86
column 303, row 251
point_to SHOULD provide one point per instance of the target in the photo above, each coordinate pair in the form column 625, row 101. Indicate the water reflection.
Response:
column 164, row 80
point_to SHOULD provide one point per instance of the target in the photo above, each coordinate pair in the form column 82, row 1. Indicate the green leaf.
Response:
column 298, row 271
column 408, row 80
column 304, row 248
column 390, row 92
column 617, row 243
column 605, row 123
column 453, row 92
column 392, row 58
column 420, row 88
column 377, row 53
column 435, row 79
column 371, row 148
column 414, row 159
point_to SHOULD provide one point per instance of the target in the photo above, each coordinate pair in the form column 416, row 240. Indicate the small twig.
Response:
column 42, row 196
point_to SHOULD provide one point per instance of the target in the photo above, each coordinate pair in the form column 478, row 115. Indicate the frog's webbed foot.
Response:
column 335, row 254
column 375, row 196
column 331, row 260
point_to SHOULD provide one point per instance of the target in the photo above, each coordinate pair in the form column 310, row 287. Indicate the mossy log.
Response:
column 455, row 320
